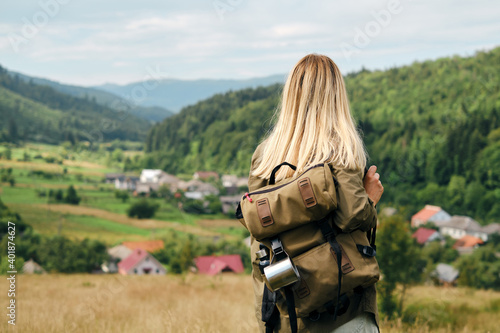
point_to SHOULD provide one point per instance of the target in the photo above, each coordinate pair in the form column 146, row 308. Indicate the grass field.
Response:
column 194, row 303
column 100, row 215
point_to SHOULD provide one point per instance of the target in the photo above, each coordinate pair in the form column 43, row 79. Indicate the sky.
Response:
column 109, row 41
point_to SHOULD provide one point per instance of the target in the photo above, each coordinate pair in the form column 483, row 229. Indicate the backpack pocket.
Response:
column 290, row 203
column 318, row 271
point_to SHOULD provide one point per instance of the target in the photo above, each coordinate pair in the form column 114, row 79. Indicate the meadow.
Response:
column 195, row 303
column 172, row 303
column 100, row 215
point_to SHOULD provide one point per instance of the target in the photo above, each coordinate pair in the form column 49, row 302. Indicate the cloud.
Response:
column 114, row 41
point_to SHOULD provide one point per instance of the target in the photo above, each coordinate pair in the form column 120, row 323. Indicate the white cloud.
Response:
column 116, row 42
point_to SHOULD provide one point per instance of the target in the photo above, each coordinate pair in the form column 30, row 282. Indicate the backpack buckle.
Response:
column 277, row 248
column 366, row 250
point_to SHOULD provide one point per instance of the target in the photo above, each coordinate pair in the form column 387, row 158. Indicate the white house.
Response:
column 229, row 203
column 196, row 189
column 127, row 183
column 151, row 176
column 459, row 226
column 232, row 183
column 140, row 262
column 492, row 228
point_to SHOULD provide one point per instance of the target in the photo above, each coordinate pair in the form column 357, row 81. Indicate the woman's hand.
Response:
column 373, row 186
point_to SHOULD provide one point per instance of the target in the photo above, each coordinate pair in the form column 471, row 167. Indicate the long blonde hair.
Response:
column 314, row 124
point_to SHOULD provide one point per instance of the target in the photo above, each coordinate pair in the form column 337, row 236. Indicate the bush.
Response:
column 122, row 195
column 193, row 206
column 143, row 209
column 71, row 196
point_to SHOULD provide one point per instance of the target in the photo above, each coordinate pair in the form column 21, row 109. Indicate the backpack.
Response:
column 305, row 257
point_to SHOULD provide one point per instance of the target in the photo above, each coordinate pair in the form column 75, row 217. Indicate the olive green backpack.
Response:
column 305, row 257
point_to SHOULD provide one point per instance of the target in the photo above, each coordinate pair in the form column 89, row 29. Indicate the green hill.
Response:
column 40, row 113
column 108, row 99
column 433, row 129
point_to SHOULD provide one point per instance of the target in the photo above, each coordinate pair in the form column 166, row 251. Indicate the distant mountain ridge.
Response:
column 33, row 112
column 175, row 94
column 105, row 98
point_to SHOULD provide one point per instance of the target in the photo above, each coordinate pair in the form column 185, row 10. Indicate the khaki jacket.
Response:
column 354, row 203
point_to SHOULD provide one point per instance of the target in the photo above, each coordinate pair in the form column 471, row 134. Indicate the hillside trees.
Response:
column 400, row 261
column 430, row 127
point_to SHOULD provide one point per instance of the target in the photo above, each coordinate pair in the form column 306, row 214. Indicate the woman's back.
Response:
column 314, row 125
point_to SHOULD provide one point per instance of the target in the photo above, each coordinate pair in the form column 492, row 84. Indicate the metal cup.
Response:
column 281, row 274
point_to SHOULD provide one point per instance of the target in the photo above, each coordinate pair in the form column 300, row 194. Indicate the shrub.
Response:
column 143, row 209
column 71, row 196
column 122, row 195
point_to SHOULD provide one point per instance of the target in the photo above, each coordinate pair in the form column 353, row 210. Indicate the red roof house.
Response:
column 429, row 213
column 468, row 241
column 212, row 265
column 140, row 262
column 424, row 235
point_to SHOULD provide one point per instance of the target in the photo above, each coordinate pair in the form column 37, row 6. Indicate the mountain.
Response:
column 32, row 112
column 175, row 94
column 151, row 113
column 432, row 128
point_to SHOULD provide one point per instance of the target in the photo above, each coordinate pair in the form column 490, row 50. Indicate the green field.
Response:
column 100, row 215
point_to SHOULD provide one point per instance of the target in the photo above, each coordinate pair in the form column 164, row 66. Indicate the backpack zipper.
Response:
column 247, row 195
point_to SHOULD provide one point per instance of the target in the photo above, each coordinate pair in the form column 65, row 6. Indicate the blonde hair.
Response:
column 314, row 124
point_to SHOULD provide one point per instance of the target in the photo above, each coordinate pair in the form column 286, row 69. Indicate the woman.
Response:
column 314, row 126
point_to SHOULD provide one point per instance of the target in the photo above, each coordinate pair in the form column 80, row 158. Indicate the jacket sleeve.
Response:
column 355, row 210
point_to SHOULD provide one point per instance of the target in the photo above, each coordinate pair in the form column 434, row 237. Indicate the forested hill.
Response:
column 110, row 100
column 40, row 113
column 433, row 129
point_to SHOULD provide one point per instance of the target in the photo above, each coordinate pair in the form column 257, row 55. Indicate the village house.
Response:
column 110, row 178
column 206, row 175
column 119, row 252
column 467, row 244
column 127, row 183
column 146, row 188
column 425, row 236
column 153, row 179
column 151, row 175
column 233, row 183
column 140, row 262
column 212, row 265
column 229, row 203
column 116, row 254
column 492, row 228
column 445, row 275
column 458, row 226
column 32, row 267
column 196, row 189
column 429, row 213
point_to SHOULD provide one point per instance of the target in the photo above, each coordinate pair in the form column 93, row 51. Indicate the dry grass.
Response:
column 57, row 186
column 89, row 304
column 193, row 303
column 50, row 167
column 83, row 164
